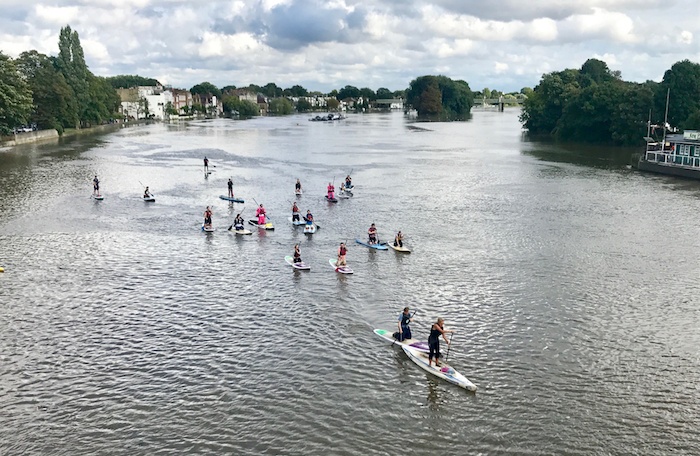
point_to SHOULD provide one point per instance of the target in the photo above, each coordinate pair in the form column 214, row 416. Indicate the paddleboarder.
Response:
column 342, row 251
column 309, row 218
column 404, row 329
column 96, row 186
column 331, row 191
column 398, row 239
column 295, row 212
column 372, row 234
column 206, row 165
column 238, row 222
column 297, row 254
column 207, row 217
column 230, row 187
column 436, row 330
column 146, row 193
column 348, row 182
column 260, row 213
column 297, row 186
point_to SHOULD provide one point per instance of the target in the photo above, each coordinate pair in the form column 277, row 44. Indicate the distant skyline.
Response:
column 503, row 45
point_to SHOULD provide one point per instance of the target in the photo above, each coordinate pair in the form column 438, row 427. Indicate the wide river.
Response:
column 571, row 282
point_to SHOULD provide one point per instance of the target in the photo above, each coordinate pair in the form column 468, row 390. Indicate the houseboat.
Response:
column 676, row 155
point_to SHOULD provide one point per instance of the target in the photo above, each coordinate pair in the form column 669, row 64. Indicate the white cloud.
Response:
column 685, row 37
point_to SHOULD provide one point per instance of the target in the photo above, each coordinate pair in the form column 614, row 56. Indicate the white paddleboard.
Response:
column 150, row 199
column 298, row 192
column 444, row 371
column 413, row 343
column 98, row 197
column 208, row 230
column 399, row 249
column 342, row 269
column 242, row 232
column 297, row 222
column 301, row 266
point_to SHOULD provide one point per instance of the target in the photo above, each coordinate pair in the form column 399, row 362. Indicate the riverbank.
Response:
column 52, row 135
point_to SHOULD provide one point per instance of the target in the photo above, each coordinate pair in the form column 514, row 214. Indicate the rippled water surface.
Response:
column 126, row 330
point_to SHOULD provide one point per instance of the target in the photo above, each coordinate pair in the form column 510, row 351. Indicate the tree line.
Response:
column 54, row 91
column 593, row 104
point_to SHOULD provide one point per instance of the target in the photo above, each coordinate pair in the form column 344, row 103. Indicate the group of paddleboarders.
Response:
column 437, row 329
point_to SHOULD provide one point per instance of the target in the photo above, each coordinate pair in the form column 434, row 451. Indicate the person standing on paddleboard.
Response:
column 404, row 329
column 436, row 330
column 295, row 212
column 342, row 251
column 260, row 212
column 297, row 254
column 297, row 186
column 146, row 193
column 206, row 165
column 372, row 234
column 331, row 191
column 207, row 217
column 96, row 186
column 398, row 240
column 230, row 187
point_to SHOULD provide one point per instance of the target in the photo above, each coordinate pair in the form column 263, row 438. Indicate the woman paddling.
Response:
column 238, row 223
column 404, row 320
column 342, row 251
column 331, row 191
column 297, row 254
column 260, row 213
column 434, row 340
column 398, row 240
column 297, row 186
column 207, row 217
column 146, row 193
column 372, row 234
column 295, row 212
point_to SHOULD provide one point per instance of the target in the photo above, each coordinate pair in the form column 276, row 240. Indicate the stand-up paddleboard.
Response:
column 399, row 249
column 297, row 192
column 444, row 371
column 309, row 229
column 242, row 231
column 377, row 246
column 301, row 266
column 413, row 343
column 331, row 200
column 209, row 229
column 296, row 222
column 266, row 226
column 98, row 197
column 231, row 199
column 342, row 269
column 149, row 199
column 343, row 195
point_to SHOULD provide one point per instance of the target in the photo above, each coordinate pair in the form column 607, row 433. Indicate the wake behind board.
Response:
column 377, row 246
column 301, row 266
column 342, row 269
column 331, row 200
column 266, row 226
column 388, row 335
column 231, row 199
column 209, row 229
column 399, row 249
column 444, row 371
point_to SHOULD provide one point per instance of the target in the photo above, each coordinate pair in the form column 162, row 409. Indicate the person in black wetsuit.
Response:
column 436, row 330
column 297, row 186
column 230, row 188
column 206, row 165
column 297, row 254
column 96, row 186
column 404, row 320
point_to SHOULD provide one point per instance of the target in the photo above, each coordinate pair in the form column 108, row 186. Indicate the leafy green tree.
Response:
column 271, row 90
column 527, row 91
column 683, row 80
column 332, row 104
column 692, row 122
column 303, row 105
column 440, row 97
column 206, row 88
column 103, row 101
column 127, row 81
column 542, row 110
column 595, row 71
column 430, row 100
column 486, row 93
column 384, row 94
column 333, row 93
column 280, row 106
column 71, row 63
column 348, row 92
column 255, row 88
column 15, row 96
column 53, row 100
column 229, row 89
column 248, row 109
column 297, row 91
column 400, row 94
column 368, row 94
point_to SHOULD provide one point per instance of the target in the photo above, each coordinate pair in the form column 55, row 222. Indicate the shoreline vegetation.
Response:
column 592, row 104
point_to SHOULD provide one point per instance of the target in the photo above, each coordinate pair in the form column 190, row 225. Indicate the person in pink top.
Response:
column 331, row 191
column 260, row 212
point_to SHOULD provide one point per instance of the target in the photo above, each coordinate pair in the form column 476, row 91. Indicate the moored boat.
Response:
column 676, row 155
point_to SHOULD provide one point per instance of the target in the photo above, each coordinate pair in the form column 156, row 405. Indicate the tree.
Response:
column 527, row 91
column 206, row 88
column 15, row 96
column 54, row 105
column 542, row 110
column 384, row 94
column 280, row 106
column 683, row 80
column 332, row 104
column 439, row 97
column 368, row 94
column 103, row 101
column 486, row 93
column 248, row 109
column 229, row 89
column 348, row 92
column 333, row 93
column 595, row 71
column 71, row 63
column 303, row 105
column 297, row 91
column 127, row 81
column 692, row 122
column 271, row 90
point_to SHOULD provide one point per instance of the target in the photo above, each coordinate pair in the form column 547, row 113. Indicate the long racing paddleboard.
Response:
column 377, row 246
column 342, row 269
column 231, row 199
column 301, row 266
column 266, row 226
column 416, row 344
column 444, row 371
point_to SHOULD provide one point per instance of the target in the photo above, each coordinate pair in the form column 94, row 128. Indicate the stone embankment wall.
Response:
column 24, row 138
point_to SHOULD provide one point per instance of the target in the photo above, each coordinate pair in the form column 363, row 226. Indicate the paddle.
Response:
column 449, row 345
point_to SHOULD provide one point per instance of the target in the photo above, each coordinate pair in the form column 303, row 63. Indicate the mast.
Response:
column 663, row 144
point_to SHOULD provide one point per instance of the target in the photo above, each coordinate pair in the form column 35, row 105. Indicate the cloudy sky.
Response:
column 499, row 44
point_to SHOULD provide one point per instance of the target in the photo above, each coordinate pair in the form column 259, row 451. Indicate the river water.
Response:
column 571, row 282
